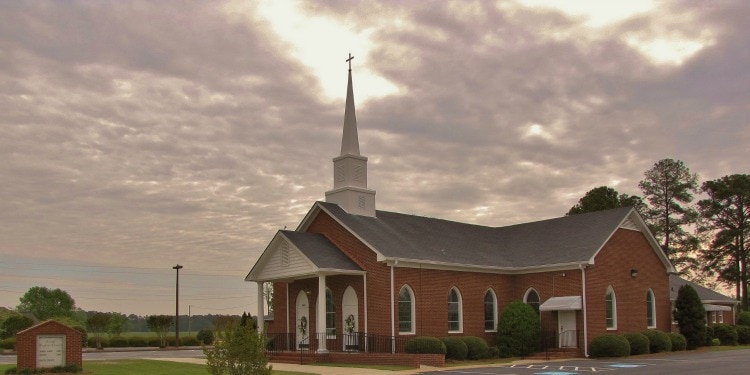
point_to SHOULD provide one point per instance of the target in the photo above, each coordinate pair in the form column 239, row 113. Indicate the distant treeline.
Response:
column 137, row 323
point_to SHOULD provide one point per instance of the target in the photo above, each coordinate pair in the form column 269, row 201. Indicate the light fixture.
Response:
column 633, row 272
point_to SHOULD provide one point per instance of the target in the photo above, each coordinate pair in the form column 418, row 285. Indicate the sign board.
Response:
column 50, row 351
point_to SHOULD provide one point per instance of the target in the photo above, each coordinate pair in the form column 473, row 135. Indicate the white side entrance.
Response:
column 566, row 324
column 302, row 325
column 350, row 320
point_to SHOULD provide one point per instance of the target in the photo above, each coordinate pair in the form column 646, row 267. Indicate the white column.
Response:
column 259, row 313
column 321, row 321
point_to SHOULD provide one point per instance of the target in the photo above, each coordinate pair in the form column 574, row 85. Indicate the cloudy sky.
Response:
column 138, row 135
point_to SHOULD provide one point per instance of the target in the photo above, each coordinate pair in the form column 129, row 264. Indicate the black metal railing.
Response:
column 346, row 342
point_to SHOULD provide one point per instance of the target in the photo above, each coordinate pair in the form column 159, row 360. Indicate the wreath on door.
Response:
column 349, row 323
column 302, row 325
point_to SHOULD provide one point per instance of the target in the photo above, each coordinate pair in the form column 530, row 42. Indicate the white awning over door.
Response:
column 561, row 304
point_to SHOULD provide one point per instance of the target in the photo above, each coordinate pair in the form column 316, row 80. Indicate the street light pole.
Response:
column 177, row 307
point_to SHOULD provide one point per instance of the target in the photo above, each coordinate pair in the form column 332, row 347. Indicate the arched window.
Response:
column 330, row 313
column 490, row 311
column 611, row 308
column 455, row 312
column 650, row 309
column 406, row 310
column 532, row 299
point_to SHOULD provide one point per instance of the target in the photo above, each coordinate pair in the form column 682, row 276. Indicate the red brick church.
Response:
column 350, row 273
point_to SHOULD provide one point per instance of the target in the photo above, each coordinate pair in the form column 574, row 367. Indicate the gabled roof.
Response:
column 321, row 252
column 706, row 295
column 564, row 241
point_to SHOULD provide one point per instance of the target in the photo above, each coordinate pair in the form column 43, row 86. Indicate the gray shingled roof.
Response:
column 565, row 240
column 705, row 294
column 320, row 251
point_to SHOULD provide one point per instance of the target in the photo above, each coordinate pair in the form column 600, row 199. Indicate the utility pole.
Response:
column 177, row 307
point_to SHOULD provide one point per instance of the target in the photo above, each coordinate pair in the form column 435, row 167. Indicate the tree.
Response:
column 726, row 214
column 160, row 324
column 118, row 323
column 669, row 187
column 268, row 295
column 605, row 198
column 238, row 350
column 45, row 303
column 519, row 330
column 97, row 323
column 14, row 324
column 690, row 316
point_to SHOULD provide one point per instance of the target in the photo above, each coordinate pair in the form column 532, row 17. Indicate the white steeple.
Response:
column 350, row 168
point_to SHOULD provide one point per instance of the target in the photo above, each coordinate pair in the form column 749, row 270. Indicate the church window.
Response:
column 406, row 310
column 650, row 309
column 610, row 301
column 532, row 299
column 455, row 323
column 330, row 314
column 490, row 311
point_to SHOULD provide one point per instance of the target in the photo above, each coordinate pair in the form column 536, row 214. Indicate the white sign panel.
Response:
column 50, row 351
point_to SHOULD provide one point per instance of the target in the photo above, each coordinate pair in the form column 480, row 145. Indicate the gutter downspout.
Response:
column 393, row 317
column 366, row 321
column 585, row 319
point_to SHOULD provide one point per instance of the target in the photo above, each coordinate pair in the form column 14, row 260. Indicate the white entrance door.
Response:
column 566, row 322
column 350, row 319
column 302, row 326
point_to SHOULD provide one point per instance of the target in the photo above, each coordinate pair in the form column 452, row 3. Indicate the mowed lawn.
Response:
column 145, row 366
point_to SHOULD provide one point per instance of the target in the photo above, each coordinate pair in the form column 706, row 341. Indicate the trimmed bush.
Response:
column 726, row 334
column 137, row 341
column 92, row 342
column 9, row 343
column 456, row 348
column 658, row 341
column 639, row 343
column 477, row 347
column 425, row 345
column 743, row 319
column 154, row 341
column 519, row 330
column 709, row 336
column 715, row 342
column 609, row 345
column 189, row 341
column 205, row 336
column 118, row 342
column 690, row 316
column 743, row 335
column 493, row 352
column 679, row 342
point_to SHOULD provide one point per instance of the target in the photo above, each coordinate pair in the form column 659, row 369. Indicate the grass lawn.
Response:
column 145, row 366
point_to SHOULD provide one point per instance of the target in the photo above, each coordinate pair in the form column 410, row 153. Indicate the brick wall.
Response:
column 26, row 344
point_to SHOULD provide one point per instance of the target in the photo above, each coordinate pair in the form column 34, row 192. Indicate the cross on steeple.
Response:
column 349, row 60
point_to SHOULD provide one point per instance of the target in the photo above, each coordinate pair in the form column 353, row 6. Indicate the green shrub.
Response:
column 456, row 348
column 690, row 316
column 189, row 341
column 137, row 341
column 425, row 345
column 658, row 341
column 9, row 343
column 118, row 342
column 154, row 341
column 519, row 330
column 239, row 350
column 206, row 336
column 726, row 334
column 709, row 336
column 92, row 342
column 477, row 347
column 493, row 352
column 609, row 345
column 743, row 335
column 715, row 342
column 743, row 319
column 639, row 343
column 13, row 324
column 678, row 341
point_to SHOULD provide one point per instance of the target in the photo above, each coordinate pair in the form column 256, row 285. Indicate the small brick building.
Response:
column 65, row 345
column 349, row 268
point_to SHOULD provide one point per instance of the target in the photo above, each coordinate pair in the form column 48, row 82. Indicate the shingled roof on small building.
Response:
column 706, row 295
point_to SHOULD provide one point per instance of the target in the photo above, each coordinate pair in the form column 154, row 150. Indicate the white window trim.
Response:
column 413, row 310
column 614, row 309
column 333, row 300
column 494, row 309
column 460, row 311
column 526, row 296
column 652, row 306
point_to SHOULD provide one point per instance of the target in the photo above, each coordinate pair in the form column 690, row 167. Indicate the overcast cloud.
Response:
column 138, row 135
